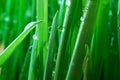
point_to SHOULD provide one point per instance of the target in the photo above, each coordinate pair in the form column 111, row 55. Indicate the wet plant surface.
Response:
column 59, row 39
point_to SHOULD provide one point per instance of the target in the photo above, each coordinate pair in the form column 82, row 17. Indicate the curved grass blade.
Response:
column 8, row 51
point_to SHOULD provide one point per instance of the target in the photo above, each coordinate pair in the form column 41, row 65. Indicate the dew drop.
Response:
column 53, row 73
column 14, row 21
column 60, row 29
column 68, row 3
column 28, row 26
column 7, row 19
column 82, row 18
column 36, row 17
column 63, row 30
column 119, row 28
column 55, row 58
column 110, row 13
column 35, row 37
column 59, row 2
column 112, row 41
column 28, row 13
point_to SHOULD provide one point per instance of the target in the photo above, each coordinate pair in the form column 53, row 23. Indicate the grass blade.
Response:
column 49, row 62
column 63, row 42
column 101, row 40
column 84, row 37
column 8, row 51
column 31, row 72
column 42, row 33
column 119, row 27
column 111, row 62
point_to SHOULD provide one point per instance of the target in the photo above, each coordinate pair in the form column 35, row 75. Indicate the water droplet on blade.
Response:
column 35, row 37
column 112, row 41
column 68, row 3
column 110, row 13
column 14, row 21
column 59, row 2
column 63, row 30
column 28, row 26
column 6, row 19
column 82, row 18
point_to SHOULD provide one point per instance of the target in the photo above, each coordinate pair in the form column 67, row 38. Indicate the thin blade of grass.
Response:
column 63, row 41
column 42, row 33
column 8, row 51
column 118, row 20
column 112, row 59
column 49, row 62
column 31, row 72
column 72, row 36
column 84, row 37
column 101, row 40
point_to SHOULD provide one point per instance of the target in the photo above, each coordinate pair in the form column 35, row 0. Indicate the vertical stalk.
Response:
column 111, row 62
column 101, row 40
column 61, row 13
column 72, row 36
column 84, row 37
column 118, row 21
column 31, row 73
column 45, row 32
column 59, row 70
column 87, row 65
column 51, row 48
column 42, row 33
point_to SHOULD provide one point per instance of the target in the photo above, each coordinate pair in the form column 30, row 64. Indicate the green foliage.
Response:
column 80, row 42
column 8, row 51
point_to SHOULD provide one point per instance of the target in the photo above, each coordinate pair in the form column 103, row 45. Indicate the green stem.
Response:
column 119, row 27
column 101, row 40
column 118, row 20
column 63, row 42
column 42, row 33
column 84, row 37
column 31, row 75
column 112, row 59
column 49, row 62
